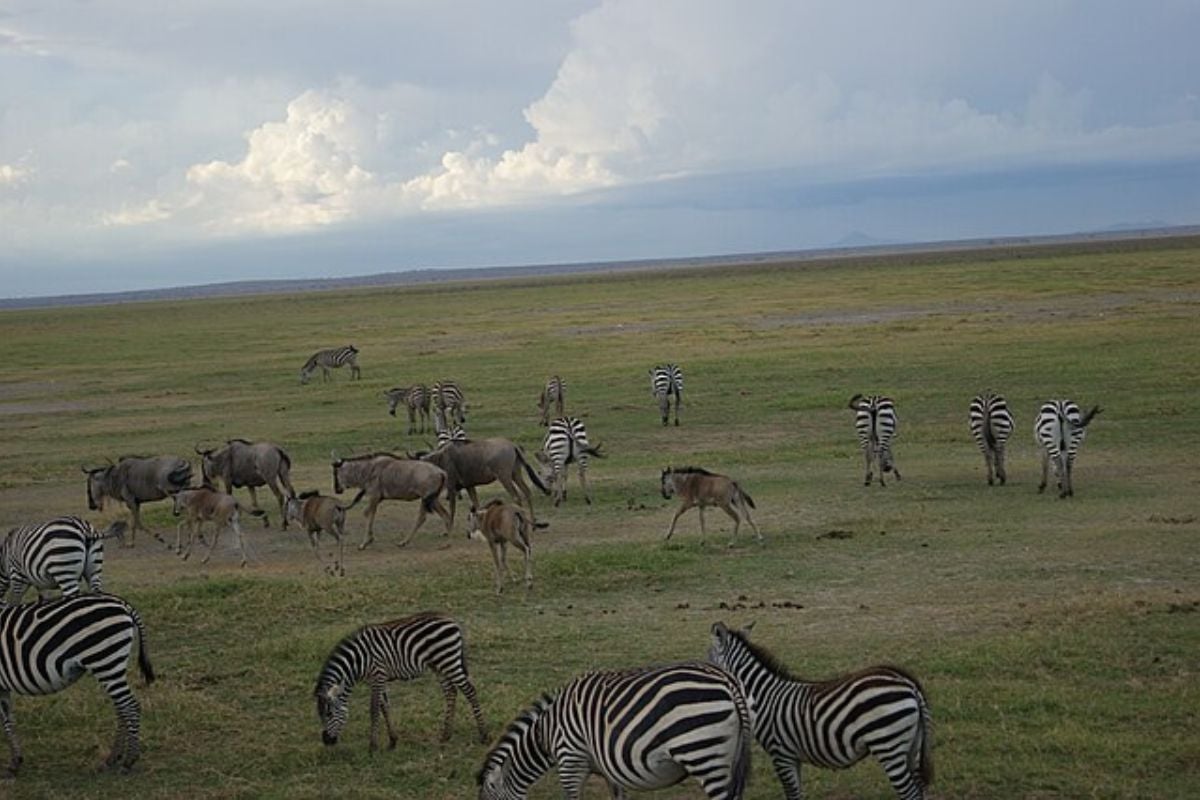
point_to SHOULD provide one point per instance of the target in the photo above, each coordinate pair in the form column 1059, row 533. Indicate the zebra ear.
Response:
column 719, row 630
column 749, row 626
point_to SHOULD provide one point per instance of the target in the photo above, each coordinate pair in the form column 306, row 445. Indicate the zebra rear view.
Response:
column 879, row 711
column 666, row 381
column 86, row 633
column 640, row 730
column 876, row 421
column 566, row 442
column 59, row 554
column 333, row 358
column 1060, row 429
column 991, row 424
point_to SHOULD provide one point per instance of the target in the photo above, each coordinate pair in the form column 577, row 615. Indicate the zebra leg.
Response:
column 1045, row 471
column 664, row 410
column 10, row 732
column 787, row 769
column 678, row 405
column 69, row 584
column 587, row 492
column 1000, row 473
column 896, row 764
column 989, row 456
column 412, row 420
column 1065, row 489
column 126, row 747
column 385, row 709
column 451, row 695
column 867, row 455
column 573, row 772
column 19, row 587
column 377, row 700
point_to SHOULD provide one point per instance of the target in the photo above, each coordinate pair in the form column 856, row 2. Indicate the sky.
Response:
column 146, row 144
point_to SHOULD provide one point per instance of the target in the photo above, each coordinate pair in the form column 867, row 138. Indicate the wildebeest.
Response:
column 316, row 513
column 500, row 524
column 250, row 464
column 416, row 402
column 480, row 461
column 383, row 476
column 699, row 487
column 553, row 393
column 134, row 480
column 205, row 504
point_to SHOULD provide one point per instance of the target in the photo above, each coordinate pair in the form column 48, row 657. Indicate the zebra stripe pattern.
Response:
column 58, row 554
column 666, row 381
column 875, row 419
column 566, row 442
column 45, row 647
column 448, row 402
column 642, row 729
column 991, row 424
column 333, row 358
column 415, row 399
column 400, row 650
column 448, row 433
column 881, row 711
column 554, row 393
column 1059, row 429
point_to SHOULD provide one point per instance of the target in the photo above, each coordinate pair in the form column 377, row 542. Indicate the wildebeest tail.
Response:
column 181, row 476
column 744, row 495
column 533, row 476
column 357, row 497
column 430, row 500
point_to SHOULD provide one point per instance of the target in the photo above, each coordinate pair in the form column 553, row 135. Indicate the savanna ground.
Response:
column 1058, row 640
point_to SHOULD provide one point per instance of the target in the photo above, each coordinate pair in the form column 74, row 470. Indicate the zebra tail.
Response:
column 739, row 777
column 533, row 476
column 924, row 757
column 143, row 656
column 1087, row 418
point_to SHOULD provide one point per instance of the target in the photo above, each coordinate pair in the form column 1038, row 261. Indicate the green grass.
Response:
column 1057, row 640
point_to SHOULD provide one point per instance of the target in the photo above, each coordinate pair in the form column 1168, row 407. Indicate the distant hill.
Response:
column 855, row 244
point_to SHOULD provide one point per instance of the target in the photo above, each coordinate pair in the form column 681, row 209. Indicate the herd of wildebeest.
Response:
column 639, row 728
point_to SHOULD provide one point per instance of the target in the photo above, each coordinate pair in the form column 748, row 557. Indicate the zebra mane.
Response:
column 523, row 722
column 764, row 656
column 690, row 471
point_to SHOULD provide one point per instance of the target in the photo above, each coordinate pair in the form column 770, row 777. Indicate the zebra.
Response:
column 448, row 399
column 47, row 646
column 836, row 723
column 332, row 358
column 448, row 433
column 640, row 729
column 875, row 419
column 1060, row 428
column 566, row 441
column 60, row 553
column 667, row 380
column 991, row 424
column 416, row 401
column 555, row 392
column 398, row 650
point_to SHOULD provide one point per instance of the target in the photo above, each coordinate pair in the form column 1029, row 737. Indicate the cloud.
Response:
column 13, row 175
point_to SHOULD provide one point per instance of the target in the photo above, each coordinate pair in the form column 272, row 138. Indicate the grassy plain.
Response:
column 1059, row 641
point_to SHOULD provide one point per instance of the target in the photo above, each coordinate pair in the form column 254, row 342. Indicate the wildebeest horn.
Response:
column 333, row 456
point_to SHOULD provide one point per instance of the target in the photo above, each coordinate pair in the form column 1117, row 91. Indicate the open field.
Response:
column 1059, row 641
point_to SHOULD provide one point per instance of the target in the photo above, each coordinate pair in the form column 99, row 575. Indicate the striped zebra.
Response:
column 448, row 401
column 47, row 646
column 58, row 554
column 448, row 433
column 875, row 419
column 554, row 393
column 836, row 723
column 666, row 380
column 640, row 730
column 1060, row 428
column 333, row 358
column 566, row 442
column 415, row 400
column 991, row 424
column 401, row 650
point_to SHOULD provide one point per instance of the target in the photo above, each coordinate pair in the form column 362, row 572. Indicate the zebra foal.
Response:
column 991, row 424
column 1059, row 429
column 640, row 730
column 415, row 400
column 59, row 554
column 47, row 646
column 400, row 650
column 879, row 711
column 666, row 382
column 875, row 420
column 333, row 358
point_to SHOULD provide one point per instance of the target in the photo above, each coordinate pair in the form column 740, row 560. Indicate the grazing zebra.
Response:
column 566, row 442
column 834, row 723
column 47, row 646
column 332, row 358
column 448, row 400
column 641, row 729
column 875, row 420
column 416, row 401
column 991, row 424
column 1059, row 429
column 61, row 553
column 553, row 393
column 398, row 650
column 448, row 433
column 667, row 380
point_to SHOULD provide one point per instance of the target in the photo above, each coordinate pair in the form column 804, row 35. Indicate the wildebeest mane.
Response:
column 690, row 471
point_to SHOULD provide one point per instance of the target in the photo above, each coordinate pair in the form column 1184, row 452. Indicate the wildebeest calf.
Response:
column 206, row 504
column 501, row 524
column 317, row 513
column 699, row 487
